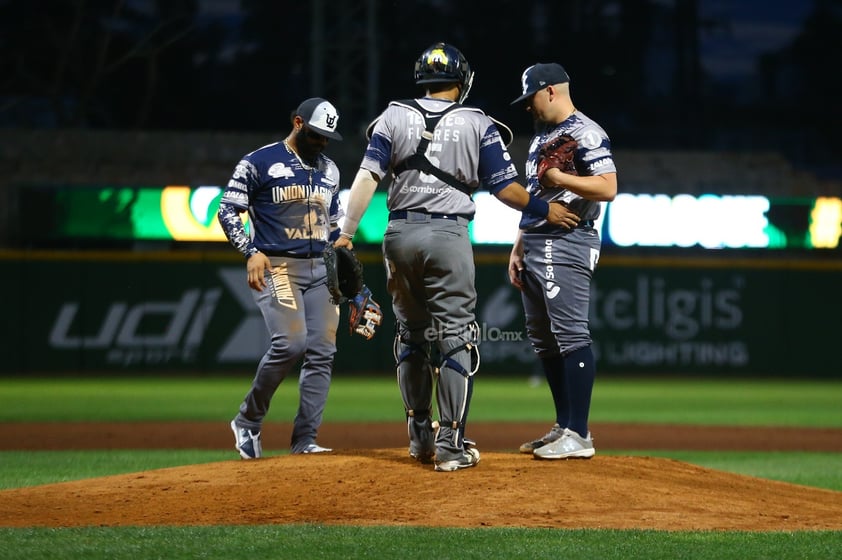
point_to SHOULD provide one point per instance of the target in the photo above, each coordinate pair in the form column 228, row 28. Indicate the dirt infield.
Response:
column 370, row 480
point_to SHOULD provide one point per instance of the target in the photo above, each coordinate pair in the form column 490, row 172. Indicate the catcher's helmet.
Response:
column 443, row 63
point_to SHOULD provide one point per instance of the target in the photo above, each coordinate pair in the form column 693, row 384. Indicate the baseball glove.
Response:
column 365, row 314
column 558, row 153
column 344, row 273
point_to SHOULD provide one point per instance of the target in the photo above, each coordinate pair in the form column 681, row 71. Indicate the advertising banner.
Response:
column 167, row 312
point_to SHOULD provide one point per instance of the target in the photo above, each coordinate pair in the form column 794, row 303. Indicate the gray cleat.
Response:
column 569, row 446
column 468, row 459
column 312, row 448
column 555, row 432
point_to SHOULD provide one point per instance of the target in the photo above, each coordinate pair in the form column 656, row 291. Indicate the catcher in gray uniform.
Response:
column 438, row 152
column 570, row 161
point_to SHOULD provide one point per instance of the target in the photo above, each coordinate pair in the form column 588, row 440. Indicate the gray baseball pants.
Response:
column 431, row 278
column 302, row 325
column 556, row 291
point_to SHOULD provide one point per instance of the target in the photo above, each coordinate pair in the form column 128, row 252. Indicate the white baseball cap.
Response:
column 320, row 115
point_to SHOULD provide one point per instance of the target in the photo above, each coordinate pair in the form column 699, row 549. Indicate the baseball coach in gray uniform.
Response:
column 289, row 190
column 437, row 153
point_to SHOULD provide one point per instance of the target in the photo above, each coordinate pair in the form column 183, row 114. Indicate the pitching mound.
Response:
column 386, row 487
column 370, row 480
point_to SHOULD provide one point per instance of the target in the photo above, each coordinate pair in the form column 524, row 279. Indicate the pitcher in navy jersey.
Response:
column 553, row 266
column 289, row 190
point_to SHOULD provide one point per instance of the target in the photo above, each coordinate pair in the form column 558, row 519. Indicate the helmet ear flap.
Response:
column 466, row 85
column 418, row 73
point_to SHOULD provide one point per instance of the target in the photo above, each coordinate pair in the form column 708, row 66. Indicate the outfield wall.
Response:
column 155, row 312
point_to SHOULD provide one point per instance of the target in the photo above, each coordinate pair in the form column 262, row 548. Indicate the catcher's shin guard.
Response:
column 415, row 380
column 453, row 395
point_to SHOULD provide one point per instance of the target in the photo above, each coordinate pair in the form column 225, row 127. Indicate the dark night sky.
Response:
column 654, row 72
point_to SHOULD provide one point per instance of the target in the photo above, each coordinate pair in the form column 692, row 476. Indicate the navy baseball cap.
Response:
column 320, row 115
column 539, row 76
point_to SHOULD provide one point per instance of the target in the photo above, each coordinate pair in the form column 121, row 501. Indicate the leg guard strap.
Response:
column 473, row 353
column 418, row 415
column 410, row 349
column 452, row 424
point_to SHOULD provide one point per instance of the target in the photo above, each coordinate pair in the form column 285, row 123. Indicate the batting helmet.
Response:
column 443, row 63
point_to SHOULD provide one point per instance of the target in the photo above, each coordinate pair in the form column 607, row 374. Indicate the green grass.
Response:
column 819, row 469
column 407, row 543
column 31, row 468
column 677, row 401
column 721, row 402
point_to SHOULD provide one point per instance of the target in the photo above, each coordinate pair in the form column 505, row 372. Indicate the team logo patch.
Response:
column 280, row 170
column 590, row 139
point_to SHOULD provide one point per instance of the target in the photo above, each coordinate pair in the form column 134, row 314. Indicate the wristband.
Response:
column 346, row 235
column 537, row 206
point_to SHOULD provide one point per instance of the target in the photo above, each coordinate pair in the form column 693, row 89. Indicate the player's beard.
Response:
column 308, row 148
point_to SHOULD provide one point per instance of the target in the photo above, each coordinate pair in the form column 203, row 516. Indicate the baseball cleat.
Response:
column 246, row 442
column 555, row 432
column 313, row 448
column 468, row 459
column 569, row 446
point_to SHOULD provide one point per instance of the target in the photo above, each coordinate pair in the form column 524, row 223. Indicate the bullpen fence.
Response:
column 155, row 312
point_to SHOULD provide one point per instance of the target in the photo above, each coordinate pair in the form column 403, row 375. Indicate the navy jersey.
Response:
column 467, row 144
column 593, row 157
column 293, row 207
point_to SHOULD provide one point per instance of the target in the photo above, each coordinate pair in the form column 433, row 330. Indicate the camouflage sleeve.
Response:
column 235, row 200
column 235, row 231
